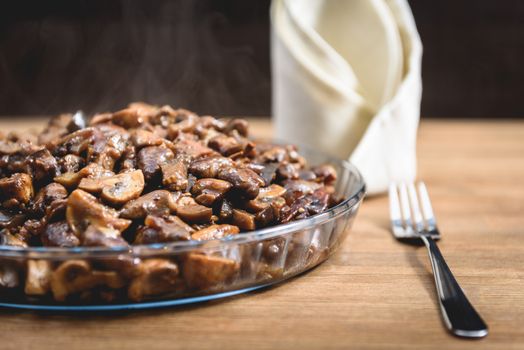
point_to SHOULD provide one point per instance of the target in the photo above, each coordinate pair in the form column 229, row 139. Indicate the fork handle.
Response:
column 457, row 312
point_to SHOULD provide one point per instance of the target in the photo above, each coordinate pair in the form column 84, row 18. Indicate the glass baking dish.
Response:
column 91, row 278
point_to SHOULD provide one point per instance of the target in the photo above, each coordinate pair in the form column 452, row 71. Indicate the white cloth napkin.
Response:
column 346, row 79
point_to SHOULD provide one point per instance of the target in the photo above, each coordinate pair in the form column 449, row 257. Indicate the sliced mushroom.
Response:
column 96, row 236
column 154, row 277
column 298, row 188
column 160, row 229
column 59, row 234
column 144, row 138
column 42, row 165
column 191, row 148
column 73, row 143
column 38, row 278
column 194, row 213
column 159, row 203
column 74, row 276
column 129, row 117
column 209, row 166
column 92, row 171
column 150, row 158
column 174, row 175
column 46, row 196
column 83, row 210
column 225, row 145
column 17, row 187
column 246, row 181
column 207, row 191
column 205, row 271
column 226, row 211
column 215, row 232
column 240, row 125
column 265, row 197
column 244, row 220
column 117, row 189
column 326, row 173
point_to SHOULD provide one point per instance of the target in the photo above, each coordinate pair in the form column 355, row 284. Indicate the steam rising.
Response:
column 98, row 56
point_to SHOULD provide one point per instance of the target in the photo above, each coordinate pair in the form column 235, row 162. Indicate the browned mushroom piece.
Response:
column 174, row 175
column 215, row 232
column 117, row 189
column 226, row 211
column 225, row 145
column 240, row 125
column 298, row 188
column 325, row 173
column 244, row 180
column 17, row 187
column 207, row 191
column 56, row 128
column 46, row 196
column 209, row 166
column 265, row 197
column 70, row 163
column 42, row 165
column 144, row 138
column 244, row 220
column 73, row 143
column 83, row 209
column 92, row 171
column 9, row 274
column 101, row 118
column 130, row 117
column 159, row 203
column 74, row 276
column 96, row 236
column 38, row 277
column 265, row 217
column 194, row 213
column 206, row 271
column 287, row 171
column 150, row 158
column 15, row 240
column 154, row 277
column 192, row 148
column 11, row 219
column 163, row 229
column 59, row 234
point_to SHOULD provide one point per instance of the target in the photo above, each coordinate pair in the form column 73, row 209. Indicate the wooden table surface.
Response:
column 374, row 292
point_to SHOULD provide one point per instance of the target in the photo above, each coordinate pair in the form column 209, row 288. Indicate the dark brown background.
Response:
column 213, row 56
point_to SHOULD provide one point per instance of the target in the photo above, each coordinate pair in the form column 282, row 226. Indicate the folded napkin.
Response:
column 346, row 80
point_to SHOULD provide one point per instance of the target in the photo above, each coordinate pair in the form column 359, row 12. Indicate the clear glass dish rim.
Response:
column 184, row 246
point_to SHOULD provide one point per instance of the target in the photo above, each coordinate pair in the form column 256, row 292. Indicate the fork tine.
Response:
column 427, row 210
column 415, row 208
column 394, row 205
column 404, row 205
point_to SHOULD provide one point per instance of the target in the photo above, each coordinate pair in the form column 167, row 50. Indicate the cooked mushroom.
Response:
column 42, row 165
column 265, row 197
column 159, row 203
column 92, row 170
column 96, row 236
column 205, row 271
column 326, row 173
column 70, row 163
column 243, row 219
column 239, row 125
column 83, row 210
column 73, row 143
column 298, row 188
column 215, row 232
column 174, row 175
column 144, row 138
column 209, row 166
column 38, row 278
column 160, row 229
column 226, row 210
column 17, row 187
column 74, row 276
column 150, row 158
column 194, row 213
column 154, row 277
column 129, row 117
column 225, row 145
column 207, row 191
column 246, row 181
column 9, row 277
column 117, row 189
column 46, row 196
column 59, row 234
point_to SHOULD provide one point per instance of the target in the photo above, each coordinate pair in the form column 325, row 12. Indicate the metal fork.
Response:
column 412, row 221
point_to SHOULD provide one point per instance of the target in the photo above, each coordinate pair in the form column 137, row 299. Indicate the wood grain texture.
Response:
column 374, row 292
